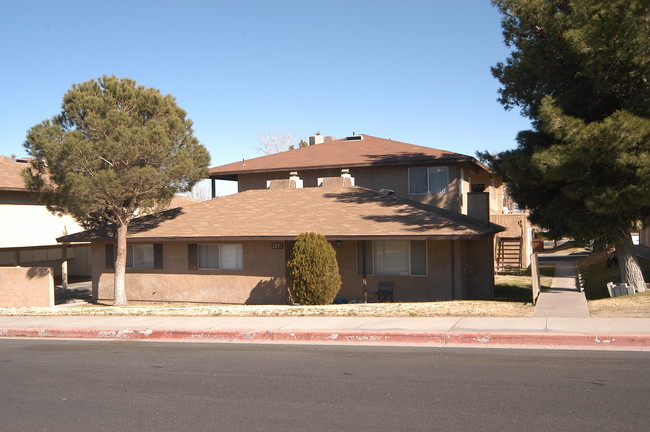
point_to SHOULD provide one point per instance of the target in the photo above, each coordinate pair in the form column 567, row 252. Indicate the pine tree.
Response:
column 580, row 70
column 115, row 147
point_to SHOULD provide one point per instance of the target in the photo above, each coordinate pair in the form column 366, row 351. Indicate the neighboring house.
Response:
column 431, row 176
column 28, row 231
column 234, row 249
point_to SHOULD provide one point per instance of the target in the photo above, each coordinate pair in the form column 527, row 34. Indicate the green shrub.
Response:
column 313, row 270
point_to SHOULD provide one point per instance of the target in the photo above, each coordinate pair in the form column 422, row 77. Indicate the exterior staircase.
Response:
column 508, row 254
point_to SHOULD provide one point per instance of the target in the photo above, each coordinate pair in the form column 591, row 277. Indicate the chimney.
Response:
column 348, row 180
column 478, row 207
column 316, row 139
column 295, row 182
column 13, row 158
column 345, row 180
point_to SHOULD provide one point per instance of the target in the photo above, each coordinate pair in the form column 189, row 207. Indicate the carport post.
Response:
column 64, row 267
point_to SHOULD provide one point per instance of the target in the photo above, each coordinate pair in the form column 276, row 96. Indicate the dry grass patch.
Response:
column 464, row 308
column 515, row 288
column 513, row 296
column 596, row 275
column 630, row 306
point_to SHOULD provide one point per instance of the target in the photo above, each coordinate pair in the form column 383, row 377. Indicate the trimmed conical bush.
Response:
column 313, row 270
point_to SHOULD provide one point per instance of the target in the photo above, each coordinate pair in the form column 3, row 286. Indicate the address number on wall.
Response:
column 277, row 245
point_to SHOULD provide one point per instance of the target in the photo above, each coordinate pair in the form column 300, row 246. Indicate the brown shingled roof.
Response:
column 282, row 214
column 181, row 201
column 367, row 151
column 10, row 175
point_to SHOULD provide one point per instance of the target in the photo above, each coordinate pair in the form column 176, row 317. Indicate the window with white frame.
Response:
column 139, row 256
column 428, row 180
column 393, row 257
column 221, row 256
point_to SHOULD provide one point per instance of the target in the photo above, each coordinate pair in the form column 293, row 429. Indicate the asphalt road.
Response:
column 49, row 385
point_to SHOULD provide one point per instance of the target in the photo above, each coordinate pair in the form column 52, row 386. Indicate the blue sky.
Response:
column 413, row 71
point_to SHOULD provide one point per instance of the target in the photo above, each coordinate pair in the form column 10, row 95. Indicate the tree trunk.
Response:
column 628, row 262
column 119, row 294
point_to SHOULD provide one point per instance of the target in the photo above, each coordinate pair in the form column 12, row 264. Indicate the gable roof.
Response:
column 281, row 214
column 346, row 153
column 11, row 178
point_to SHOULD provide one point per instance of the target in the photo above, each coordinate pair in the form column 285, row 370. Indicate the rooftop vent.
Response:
column 354, row 138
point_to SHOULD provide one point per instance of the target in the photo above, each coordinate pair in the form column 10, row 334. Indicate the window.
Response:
column 393, row 258
column 220, row 256
column 428, row 180
column 139, row 256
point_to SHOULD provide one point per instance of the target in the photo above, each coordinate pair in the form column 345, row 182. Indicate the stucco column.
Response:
column 64, row 267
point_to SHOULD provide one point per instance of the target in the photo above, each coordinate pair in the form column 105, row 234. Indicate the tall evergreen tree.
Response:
column 580, row 70
column 114, row 148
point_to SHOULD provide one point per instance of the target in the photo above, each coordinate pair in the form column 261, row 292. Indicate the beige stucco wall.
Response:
column 24, row 223
column 26, row 287
column 493, row 184
column 263, row 278
column 461, row 177
column 389, row 177
column 261, row 281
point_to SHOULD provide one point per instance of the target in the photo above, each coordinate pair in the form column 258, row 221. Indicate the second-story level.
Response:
column 428, row 175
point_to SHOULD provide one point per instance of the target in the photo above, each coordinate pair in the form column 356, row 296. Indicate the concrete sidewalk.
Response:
column 631, row 333
column 564, row 299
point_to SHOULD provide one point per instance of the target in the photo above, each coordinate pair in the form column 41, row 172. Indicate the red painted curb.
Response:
column 551, row 339
column 231, row 335
column 377, row 337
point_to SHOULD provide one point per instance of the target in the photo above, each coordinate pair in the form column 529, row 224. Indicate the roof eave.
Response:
column 232, row 174
column 291, row 237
